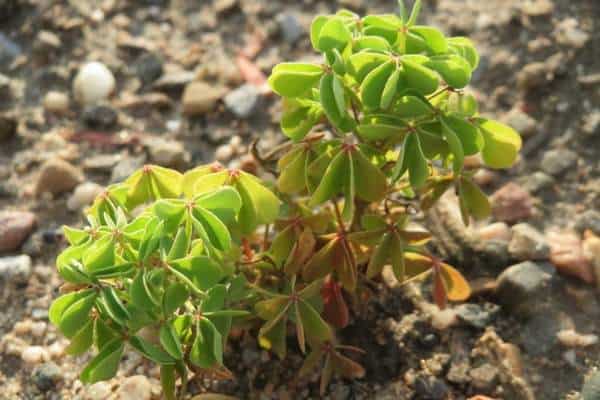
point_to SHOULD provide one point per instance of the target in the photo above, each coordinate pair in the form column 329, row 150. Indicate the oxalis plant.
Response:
column 170, row 263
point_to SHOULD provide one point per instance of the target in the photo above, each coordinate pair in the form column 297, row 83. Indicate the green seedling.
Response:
column 169, row 263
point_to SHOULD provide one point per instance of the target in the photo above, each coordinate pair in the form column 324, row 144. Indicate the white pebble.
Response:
column 38, row 329
column 84, row 195
column 98, row 391
column 34, row 355
column 224, row 152
column 56, row 102
column 443, row 319
column 94, row 83
column 570, row 338
column 136, row 387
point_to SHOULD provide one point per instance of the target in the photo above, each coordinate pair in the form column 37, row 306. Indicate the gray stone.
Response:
column 290, row 27
column 532, row 75
column 200, row 97
column 484, row 377
column 591, row 123
column 536, row 182
column 519, row 286
column 429, row 387
column 521, row 121
column 538, row 334
column 126, row 167
column 47, row 376
column 243, row 101
column 149, row 68
column 589, row 219
column 527, row 243
column 15, row 268
column 9, row 50
column 459, row 372
column 168, row 153
column 476, row 315
column 100, row 117
column 556, row 162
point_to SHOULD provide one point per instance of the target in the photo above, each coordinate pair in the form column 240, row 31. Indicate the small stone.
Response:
column 56, row 102
column 174, row 80
column 250, row 356
column 476, row 315
column 485, row 177
column 46, row 41
column 519, row 286
column 556, row 162
column 98, row 391
column 571, row 338
column 443, row 319
column 591, row 123
column 57, row 176
column 15, row 227
column 532, row 75
column 38, row 328
column 149, row 68
column 223, row 6
column 536, row 182
column 8, row 127
column 566, row 253
column 125, row 167
column 135, row 387
column 459, row 372
column 101, row 162
column 242, row 102
column 567, row 32
column 528, row 243
column 495, row 231
column 47, row 376
column 93, row 83
column 168, row 153
column 290, row 27
column 200, row 97
column 9, row 50
column 15, row 269
column 591, row 252
column 537, row 8
column 511, row 203
column 83, row 195
column 484, row 377
column 224, row 153
column 34, row 355
column 429, row 387
column 588, row 220
column 521, row 121
column 100, row 117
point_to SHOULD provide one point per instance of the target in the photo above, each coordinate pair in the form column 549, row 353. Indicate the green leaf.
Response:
column 75, row 236
column 100, row 254
column 201, row 273
column 58, row 307
column 114, row 306
column 455, row 70
column 473, row 199
column 299, row 118
column 330, row 183
column 372, row 43
column 218, row 233
column 462, row 104
column 105, row 365
column 464, row 47
column 82, row 340
column 207, row 350
column 455, row 145
column 414, row 14
column 362, row 63
column 260, row 205
column 292, row 178
column 139, row 294
column 433, row 39
column 418, row 77
column 371, row 183
column 333, row 35
column 501, row 143
column 338, row 94
column 380, row 256
column 76, row 314
column 412, row 159
column 372, row 87
column 167, row 381
column 315, row 29
column 381, row 126
column 151, row 351
column 170, row 212
column 390, row 89
column 330, row 103
column 470, row 137
column 315, row 327
column 215, row 299
column 169, row 340
column 294, row 79
column 410, row 107
column 175, row 296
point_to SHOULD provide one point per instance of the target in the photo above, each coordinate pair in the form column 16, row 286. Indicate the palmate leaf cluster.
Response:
column 168, row 262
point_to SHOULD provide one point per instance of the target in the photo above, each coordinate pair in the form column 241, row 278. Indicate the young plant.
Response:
column 170, row 262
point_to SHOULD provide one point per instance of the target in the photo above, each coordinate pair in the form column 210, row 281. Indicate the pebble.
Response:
column 591, row 123
column 98, row 391
column 556, row 162
column 223, row 6
column 458, row 372
column 168, row 153
column 47, row 376
column 57, row 176
column 591, row 386
column 588, row 220
column 8, row 127
column 56, row 102
column 532, row 75
column 290, row 27
column 571, row 338
column 537, row 8
column 528, row 243
column 149, row 68
column 566, row 253
column 536, row 182
column 429, row 387
column 34, row 355
column 495, row 231
column 224, row 152
column 443, row 319
column 93, row 83
column 521, row 121
column 38, row 328
column 511, row 203
column 100, row 117
column 591, row 251
column 242, row 102
column 477, row 315
column 200, row 97
column 135, row 387
column 9, row 50
column 519, row 286
column 567, row 32
column 83, row 195
column 15, row 227
column 484, row 377
column 125, row 167
column 15, row 269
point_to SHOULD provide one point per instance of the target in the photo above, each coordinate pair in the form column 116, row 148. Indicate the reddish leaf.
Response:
column 335, row 309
